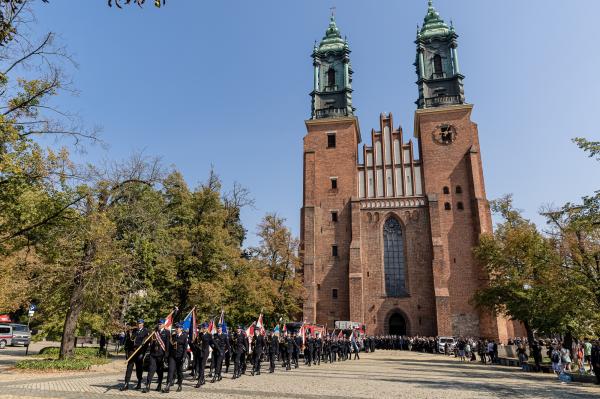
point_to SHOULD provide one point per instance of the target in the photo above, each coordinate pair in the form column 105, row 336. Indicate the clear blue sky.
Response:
column 227, row 82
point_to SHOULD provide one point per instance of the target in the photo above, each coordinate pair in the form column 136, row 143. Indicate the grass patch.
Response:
column 48, row 360
column 80, row 353
column 60, row 365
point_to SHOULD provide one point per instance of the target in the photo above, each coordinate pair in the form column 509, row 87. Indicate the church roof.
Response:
column 332, row 41
column 433, row 25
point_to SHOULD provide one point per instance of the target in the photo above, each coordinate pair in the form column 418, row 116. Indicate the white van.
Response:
column 6, row 335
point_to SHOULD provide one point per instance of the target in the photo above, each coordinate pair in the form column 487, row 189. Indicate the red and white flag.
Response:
column 259, row 325
column 169, row 321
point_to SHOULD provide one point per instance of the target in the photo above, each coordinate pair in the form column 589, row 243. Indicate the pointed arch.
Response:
column 394, row 261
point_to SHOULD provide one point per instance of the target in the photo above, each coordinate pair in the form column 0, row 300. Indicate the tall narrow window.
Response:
column 394, row 263
column 331, row 77
column 330, row 140
column 334, row 183
column 334, row 250
column 334, row 293
column 458, row 190
column 437, row 66
column 446, row 190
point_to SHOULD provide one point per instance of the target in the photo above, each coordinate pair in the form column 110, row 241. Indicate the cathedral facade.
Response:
column 387, row 238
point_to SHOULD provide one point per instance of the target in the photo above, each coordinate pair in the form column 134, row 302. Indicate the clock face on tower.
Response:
column 444, row 134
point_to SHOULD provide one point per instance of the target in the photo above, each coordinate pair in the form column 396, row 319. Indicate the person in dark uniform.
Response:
column 246, row 352
column 290, row 344
column 205, row 342
column 239, row 349
column 135, row 342
column 272, row 350
column 309, row 349
column 229, row 350
column 318, row 349
column 177, row 351
column 297, row 349
column 158, row 348
column 258, row 347
column 220, row 346
column 595, row 360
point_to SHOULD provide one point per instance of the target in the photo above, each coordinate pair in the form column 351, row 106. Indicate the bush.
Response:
column 80, row 353
column 55, row 364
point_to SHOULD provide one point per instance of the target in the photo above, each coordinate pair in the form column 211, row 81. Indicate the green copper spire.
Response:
column 433, row 24
column 332, row 41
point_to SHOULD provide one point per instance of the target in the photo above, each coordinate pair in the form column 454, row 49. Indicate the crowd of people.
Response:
column 164, row 350
column 585, row 353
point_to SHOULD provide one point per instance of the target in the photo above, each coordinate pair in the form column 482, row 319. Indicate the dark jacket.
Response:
column 156, row 349
column 178, row 345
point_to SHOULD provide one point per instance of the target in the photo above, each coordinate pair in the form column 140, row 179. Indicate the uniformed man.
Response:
column 290, row 344
column 228, row 350
column 595, row 360
column 205, row 342
column 220, row 346
column 158, row 349
column 239, row 349
column 297, row 348
column 272, row 350
column 177, row 351
column 258, row 347
column 309, row 349
column 318, row 349
column 135, row 345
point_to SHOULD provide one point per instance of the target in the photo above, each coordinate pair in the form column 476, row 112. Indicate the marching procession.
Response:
column 162, row 350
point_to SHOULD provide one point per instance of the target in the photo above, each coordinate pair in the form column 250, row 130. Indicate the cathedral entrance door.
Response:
column 397, row 324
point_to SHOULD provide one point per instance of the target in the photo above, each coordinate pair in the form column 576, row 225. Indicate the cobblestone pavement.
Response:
column 383, row 374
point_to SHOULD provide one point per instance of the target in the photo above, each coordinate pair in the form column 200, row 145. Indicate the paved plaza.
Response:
column 383, row 374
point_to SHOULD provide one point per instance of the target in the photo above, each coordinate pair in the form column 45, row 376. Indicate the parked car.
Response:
column 6, row 335
column 442, row 343
column 21, row 334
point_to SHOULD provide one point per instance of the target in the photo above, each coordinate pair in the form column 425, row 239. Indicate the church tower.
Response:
column 439, row 79
column 453, row 182
column 332, row 91
column 330, row 180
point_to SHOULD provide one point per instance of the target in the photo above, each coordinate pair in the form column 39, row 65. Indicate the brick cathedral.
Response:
column 387, row 238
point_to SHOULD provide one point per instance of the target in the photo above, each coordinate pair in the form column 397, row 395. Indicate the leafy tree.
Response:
column 520, row 264
column 277, row 254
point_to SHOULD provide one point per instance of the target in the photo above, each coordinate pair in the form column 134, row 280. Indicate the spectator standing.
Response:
column 555, row 359
column 565, row 358
column 587, row 353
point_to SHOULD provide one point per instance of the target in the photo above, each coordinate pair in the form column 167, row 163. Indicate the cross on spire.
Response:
column 332, row 8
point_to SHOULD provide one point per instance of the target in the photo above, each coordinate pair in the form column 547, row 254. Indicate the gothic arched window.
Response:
column 393, row 257
column 437, row 66
column 331, row 77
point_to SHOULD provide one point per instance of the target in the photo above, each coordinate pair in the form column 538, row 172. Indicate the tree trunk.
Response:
column 67, row 344
column 530, row 337
column 568, row 340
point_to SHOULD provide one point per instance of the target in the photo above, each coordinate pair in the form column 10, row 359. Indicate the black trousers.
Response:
column 243, row 363
column 138, row 362
column 597, row 373
column 218, row 364
column 237, row 363
column 295, row 356
column 272, row 356
column 202, row 366
column 257, row 356
column 175, row 366
column 227, row 361
column 157, row 366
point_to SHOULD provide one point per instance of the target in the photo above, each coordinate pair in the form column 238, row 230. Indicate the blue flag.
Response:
column 189, row 324
column 222, row 322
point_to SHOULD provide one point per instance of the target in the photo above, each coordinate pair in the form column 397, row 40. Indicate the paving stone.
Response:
column 381, row 375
